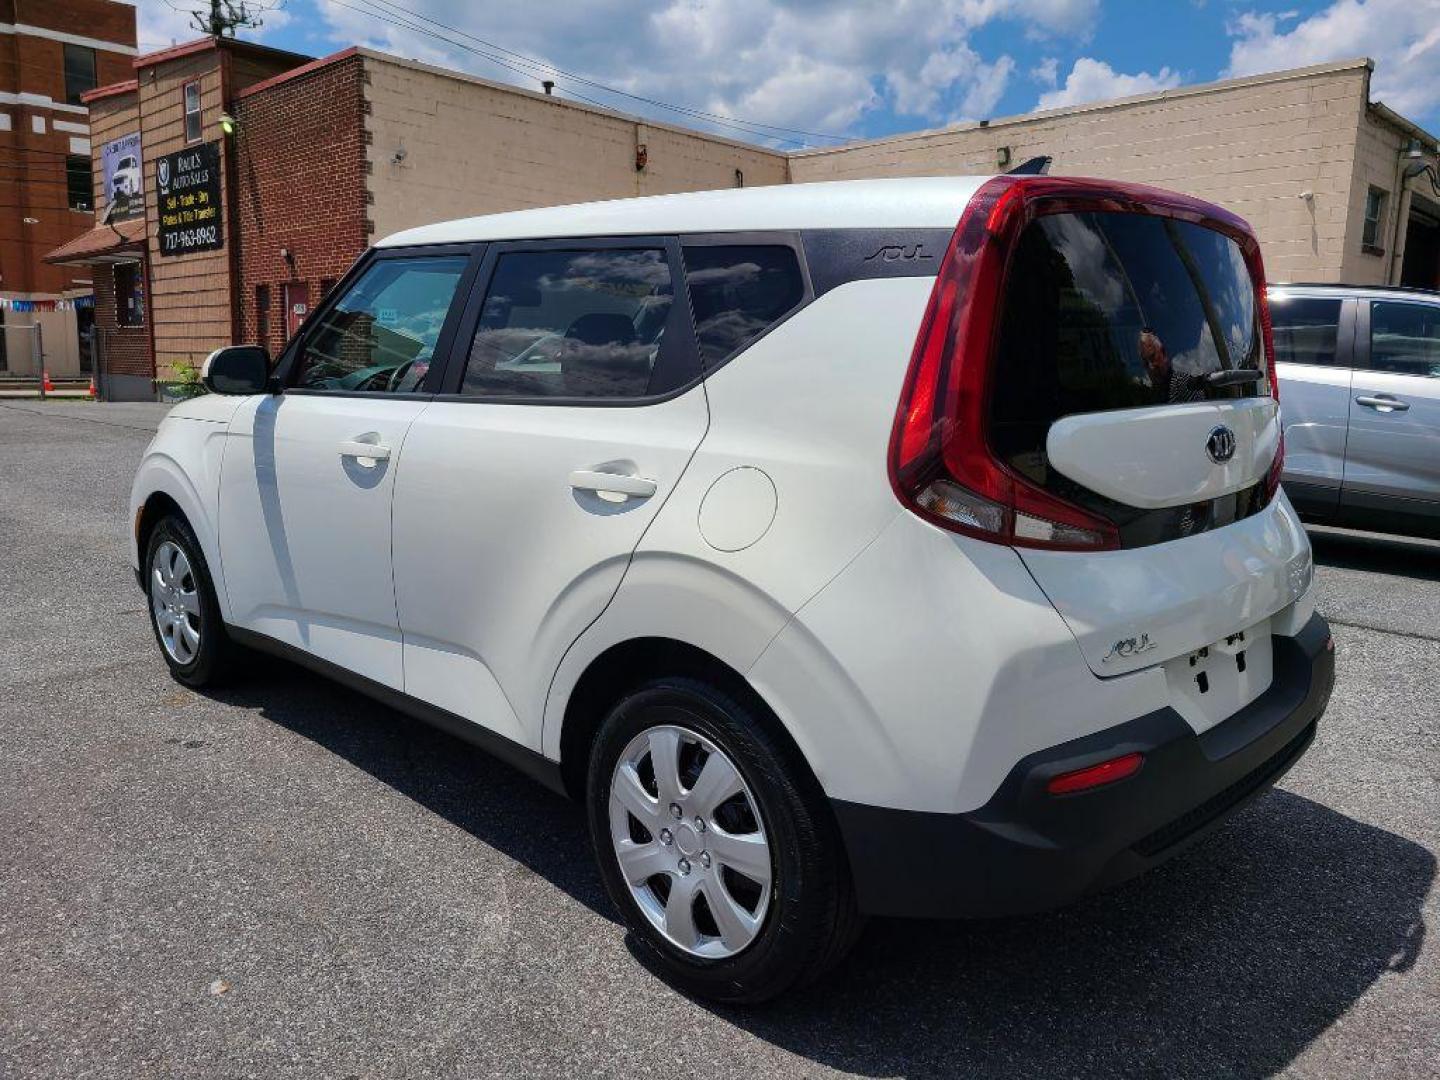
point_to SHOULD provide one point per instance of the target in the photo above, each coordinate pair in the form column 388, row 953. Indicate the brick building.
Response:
column 316, row 159
column 163, row 290
column 47, row 64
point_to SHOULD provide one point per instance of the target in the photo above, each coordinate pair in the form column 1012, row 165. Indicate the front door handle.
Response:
column 612, row 483
column 1382, row 401
column 367, row 455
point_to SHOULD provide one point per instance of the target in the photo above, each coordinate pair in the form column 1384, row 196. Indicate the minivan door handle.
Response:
column 367, row 455
column 1382, row 401
column 612, row 483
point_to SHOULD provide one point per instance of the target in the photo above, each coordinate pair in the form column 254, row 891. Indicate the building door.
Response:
column 85, row 335
column 1421, row 268
column 296, row 295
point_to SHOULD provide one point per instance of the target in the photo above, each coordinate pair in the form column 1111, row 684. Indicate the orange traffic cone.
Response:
column 49, row 386
column 91, row 393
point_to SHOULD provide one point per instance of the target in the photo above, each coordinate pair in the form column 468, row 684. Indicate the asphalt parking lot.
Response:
column 286, row 880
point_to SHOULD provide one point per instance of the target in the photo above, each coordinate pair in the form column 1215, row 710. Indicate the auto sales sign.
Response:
column 187, row 193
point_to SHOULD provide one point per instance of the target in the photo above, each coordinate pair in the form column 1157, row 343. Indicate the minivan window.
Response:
column 1306, row 328
column 1113, row 311
column 380, row 335
column 571, row 324
column 738, row 292
column 1405, row 338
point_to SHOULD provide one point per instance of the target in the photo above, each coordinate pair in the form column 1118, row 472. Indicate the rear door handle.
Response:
column 612, row 483
column 368, row 455
column 1382, row 401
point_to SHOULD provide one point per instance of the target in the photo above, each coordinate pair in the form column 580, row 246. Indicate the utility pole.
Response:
column 225, row 17
column 40, row 351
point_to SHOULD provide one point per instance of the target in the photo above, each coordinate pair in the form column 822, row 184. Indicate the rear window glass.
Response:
column 1115, row 311
column 738, row 292
column 1307, row 328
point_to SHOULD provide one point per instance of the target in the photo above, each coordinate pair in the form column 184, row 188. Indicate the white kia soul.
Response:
column 897, row 547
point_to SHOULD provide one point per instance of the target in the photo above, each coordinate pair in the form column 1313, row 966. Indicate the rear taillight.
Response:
column 1256, row 267
column 941, row 464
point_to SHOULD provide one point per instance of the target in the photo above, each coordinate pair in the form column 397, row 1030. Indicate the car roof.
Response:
column 915, row 203
column 1330, row 288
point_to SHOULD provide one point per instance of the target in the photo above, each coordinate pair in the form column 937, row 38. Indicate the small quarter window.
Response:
column 380, row 336
column 1374, row 218
column 193, row 128
column 1307, row 328
column 739, row 292
column 572, row 324
column 1405, row 338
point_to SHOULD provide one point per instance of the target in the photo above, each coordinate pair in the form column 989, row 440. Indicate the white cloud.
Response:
column 1047, row 72
column 1094, row 80
column 1401, row 36
column 816, row 65
column 987, row 87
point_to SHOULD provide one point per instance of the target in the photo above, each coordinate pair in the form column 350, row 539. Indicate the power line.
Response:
column 395, row 15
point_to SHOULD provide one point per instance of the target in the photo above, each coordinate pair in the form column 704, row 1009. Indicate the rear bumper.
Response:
column 1026, row 850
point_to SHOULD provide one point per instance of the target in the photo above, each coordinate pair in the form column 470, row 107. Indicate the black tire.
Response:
column 811, row 920
column 214, row 658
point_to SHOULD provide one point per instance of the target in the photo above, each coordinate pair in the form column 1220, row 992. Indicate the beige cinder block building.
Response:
column 1304, row 155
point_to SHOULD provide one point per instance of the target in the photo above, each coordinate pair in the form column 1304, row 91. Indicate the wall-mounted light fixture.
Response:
column 1002, row 157
column 642, row 156
column 228, row 123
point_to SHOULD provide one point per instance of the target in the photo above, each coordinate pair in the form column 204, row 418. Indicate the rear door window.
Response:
column 1405, row 338
column 1306, row 329
column 738, row 292
column 1114, row 311
column 572, row 324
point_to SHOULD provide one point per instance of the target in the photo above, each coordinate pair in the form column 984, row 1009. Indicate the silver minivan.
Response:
column 1359, row 370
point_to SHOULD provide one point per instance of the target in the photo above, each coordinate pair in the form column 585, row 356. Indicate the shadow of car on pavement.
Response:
column 1405, row 556
column 1228, row 961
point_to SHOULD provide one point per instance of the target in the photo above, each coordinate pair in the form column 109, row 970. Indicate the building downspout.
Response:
column 232, row 201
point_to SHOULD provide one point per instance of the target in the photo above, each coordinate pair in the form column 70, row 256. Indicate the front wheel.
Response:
column 184, row 613
column 720, row 855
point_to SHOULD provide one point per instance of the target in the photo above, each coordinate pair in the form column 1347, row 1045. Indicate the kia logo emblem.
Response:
column 1220, row 445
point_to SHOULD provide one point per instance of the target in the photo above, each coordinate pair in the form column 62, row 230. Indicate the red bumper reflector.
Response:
column 1107, row 772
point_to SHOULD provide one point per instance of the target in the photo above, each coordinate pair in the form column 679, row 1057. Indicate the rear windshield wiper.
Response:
column 1233, row 377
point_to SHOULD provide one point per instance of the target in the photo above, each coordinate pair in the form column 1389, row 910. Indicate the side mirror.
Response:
column 237, row 369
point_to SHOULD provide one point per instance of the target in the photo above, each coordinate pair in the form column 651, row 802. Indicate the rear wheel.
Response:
column 183, row 610
column 726, row 868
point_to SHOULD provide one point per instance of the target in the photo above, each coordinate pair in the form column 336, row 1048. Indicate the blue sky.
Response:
column 770, row 70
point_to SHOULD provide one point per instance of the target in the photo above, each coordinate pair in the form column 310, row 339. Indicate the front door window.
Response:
column 381, row 335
